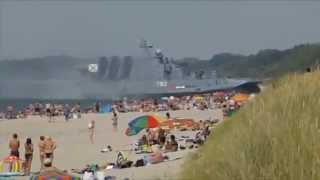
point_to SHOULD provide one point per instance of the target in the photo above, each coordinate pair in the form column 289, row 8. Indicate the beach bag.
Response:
column 139, row 163
column 126, row 164
column 88, row 176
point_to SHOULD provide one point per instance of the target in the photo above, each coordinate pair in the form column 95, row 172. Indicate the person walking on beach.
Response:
column 14, row 145
column 49, row 147
column 66, row 112
column 28, row 156
column 78, row 110
column 168, row 116
column 91, row 127
column 41, row 150
column 52, row 110
column 47, row 106
column 115, row 119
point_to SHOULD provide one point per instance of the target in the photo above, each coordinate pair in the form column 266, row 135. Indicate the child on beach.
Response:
column 114, row 119
column 91, row 127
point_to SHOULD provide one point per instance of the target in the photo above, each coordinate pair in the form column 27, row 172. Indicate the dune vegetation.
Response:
column 274, row 137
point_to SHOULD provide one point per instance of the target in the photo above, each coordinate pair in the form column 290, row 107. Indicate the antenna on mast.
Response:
column 147, row 47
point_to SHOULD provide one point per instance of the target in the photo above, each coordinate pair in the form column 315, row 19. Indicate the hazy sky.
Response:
column 181, row 29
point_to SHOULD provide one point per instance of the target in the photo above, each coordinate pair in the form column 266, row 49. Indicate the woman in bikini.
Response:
column 28, row 156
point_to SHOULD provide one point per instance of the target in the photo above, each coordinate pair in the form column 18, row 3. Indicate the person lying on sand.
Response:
column 155, row 157
column 48, row 168
column 88, row 168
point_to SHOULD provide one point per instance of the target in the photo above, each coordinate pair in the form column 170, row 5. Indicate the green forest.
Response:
column 264, row 64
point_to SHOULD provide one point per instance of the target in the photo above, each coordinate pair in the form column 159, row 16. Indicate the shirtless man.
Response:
column 14, row 145
column 41, row 150
column 49, row 147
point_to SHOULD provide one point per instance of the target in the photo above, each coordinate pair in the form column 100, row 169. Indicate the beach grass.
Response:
column 274, row 137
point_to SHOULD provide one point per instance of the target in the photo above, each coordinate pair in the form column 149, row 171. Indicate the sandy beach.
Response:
column 75, row 150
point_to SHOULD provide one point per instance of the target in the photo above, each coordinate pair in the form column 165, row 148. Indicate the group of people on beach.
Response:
column 91, row 125
column 155, row 146
column 198, row 101
column 46, row 147
column 37, row 109
column 167, row 141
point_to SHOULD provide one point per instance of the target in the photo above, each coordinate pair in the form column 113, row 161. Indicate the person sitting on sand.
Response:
column 201, row 125
column 49, row 147
column 161, row 137
column 199, row 139
column 206, row 132
column 172, row 145
column 14, row 145
column 151, row 136
column 143, row 141
column 143, row 144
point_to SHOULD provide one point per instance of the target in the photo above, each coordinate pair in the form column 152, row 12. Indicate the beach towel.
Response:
column 39, row 177
column 10, row 166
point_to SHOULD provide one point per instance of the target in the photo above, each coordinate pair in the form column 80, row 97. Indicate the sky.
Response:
column 181, row 29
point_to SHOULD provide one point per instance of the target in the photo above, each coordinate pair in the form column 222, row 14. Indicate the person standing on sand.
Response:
column 47, row 106
column 115, row 119
column 78, row 110
column 66, row 112
column 91, row 127
column 28, row 156
column 168, row 116
column 14, row 145
column 41, row 150
column 52, row 113
column 49, row 147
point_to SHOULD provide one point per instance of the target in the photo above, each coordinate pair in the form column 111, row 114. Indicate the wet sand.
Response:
column 74, row 149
